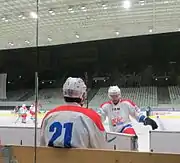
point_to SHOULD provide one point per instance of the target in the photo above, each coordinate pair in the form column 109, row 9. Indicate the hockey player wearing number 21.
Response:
column 71, row 125
column 119, row 110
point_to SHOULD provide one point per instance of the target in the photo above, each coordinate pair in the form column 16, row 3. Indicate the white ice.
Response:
column 141, row 130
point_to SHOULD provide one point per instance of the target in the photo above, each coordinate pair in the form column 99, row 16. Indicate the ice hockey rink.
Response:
column 169, row 122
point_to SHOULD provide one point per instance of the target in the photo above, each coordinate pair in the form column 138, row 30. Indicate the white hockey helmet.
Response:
column 74, row 88
column 23, row 105
column 114, row 90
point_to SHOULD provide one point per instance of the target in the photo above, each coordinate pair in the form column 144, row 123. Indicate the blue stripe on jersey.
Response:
column 142, row 118
column 124, row 127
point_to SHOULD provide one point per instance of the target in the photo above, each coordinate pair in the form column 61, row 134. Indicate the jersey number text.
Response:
column 57, row 128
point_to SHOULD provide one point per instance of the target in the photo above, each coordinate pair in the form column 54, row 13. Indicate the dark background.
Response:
column 151, row 57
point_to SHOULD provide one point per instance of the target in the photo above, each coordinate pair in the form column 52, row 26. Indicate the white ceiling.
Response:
column 67, row 21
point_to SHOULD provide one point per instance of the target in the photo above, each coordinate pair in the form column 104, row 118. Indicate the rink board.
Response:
column 164, row 141
column 18, row 135
column 120, row 141
column 25, row 136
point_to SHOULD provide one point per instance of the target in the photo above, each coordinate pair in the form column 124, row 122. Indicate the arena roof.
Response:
column 68, row 21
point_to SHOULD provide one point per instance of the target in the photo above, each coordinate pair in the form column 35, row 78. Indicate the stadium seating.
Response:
column 50, row 96
column 174, row 92
column 143, row 96
column 15, row 95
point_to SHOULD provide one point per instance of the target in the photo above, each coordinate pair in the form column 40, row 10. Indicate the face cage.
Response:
column 114, row 97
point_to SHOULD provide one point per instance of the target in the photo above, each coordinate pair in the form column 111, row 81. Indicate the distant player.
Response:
column 23, row 113
column 32, row 112
column 71, row 125
column 119, row 110
column 16, row 110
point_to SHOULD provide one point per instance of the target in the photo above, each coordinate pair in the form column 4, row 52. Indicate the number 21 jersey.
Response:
column 72, row 126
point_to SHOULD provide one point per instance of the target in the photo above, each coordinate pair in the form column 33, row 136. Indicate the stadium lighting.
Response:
column 83, row 8
column 142, row 3
column 70, row 9
column 22, row 16
column 52, row 12
column 150, row 30
column 10, row 43
column 49, row 39
column 27, row 42
column 104, row 6
column 117, row 33
column 33, row 15
column 77, row 36
column 5, row 19
column 126, row 4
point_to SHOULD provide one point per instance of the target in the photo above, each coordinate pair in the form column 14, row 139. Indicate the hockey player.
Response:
column 71, row 125
column 23, row 113
column 119, row 110
column 32, row 112
column 16, row 110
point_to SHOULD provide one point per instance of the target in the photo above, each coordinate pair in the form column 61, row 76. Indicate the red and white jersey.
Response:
column 72, row 126
column 119, row 115
column 22, row 110
column 32, row 109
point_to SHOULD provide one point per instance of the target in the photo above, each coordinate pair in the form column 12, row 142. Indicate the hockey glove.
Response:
column 151, row 122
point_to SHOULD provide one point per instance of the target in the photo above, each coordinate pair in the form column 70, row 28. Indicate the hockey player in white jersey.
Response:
column 23, row 113
column 119, row 110
column 71, row 125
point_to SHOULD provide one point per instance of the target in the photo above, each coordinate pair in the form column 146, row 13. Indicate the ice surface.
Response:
column 7, row 118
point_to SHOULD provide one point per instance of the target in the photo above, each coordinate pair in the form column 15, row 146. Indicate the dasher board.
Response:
column 164, row 141
column 18, row 135
column 25, row 136
column 120, row 141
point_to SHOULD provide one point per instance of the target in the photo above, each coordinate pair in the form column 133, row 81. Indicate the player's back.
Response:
column 72, row 126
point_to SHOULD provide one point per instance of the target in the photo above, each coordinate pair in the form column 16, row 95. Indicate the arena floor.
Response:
column 165, row 122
